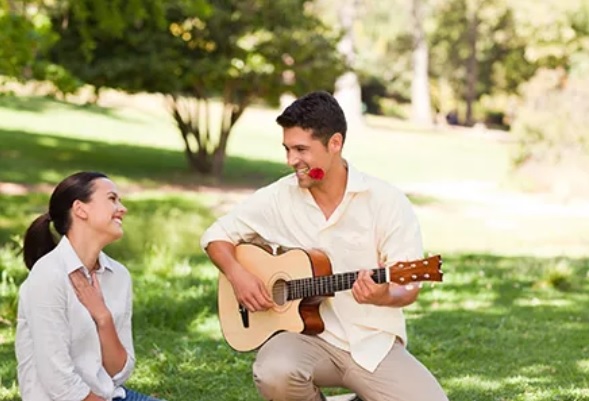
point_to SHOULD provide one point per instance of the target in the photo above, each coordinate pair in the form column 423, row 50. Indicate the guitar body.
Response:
column 298, row 280
column 245, row 331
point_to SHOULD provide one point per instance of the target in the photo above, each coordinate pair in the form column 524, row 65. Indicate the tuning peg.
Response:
column 414, row 276
column 426, row 275
column 425, row 262
column 402, row 279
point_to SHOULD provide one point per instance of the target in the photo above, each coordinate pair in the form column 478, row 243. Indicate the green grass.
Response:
column 500, row 328
column 494, row 330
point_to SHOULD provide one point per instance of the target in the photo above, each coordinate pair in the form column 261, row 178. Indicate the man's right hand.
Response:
column 250, row 291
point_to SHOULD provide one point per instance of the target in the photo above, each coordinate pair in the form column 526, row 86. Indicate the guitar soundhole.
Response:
column 280, row 292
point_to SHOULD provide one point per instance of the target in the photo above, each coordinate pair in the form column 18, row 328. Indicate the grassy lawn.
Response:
column 499, row 328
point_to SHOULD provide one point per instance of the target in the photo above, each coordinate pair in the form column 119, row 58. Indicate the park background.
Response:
column 477, row 109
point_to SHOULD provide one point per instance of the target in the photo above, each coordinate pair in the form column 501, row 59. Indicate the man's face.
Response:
column 304, row 152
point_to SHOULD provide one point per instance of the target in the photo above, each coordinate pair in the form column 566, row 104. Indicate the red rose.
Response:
column 316, row 173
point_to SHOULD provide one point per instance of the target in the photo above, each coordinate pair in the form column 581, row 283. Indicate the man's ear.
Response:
column 336, row 142
column 79, row 209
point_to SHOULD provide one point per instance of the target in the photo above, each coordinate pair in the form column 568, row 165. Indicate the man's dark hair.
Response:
column 317, row 111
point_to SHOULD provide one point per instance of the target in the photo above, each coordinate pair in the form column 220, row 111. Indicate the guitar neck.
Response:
column 326, row 285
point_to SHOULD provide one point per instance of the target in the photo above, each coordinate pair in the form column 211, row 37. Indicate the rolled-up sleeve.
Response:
column 251, row 217
column 399, row 231
column 46, row 309
column 120, row 378
column 125, row 332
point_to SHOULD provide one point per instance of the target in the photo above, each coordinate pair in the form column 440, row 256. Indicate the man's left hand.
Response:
column 366, row 291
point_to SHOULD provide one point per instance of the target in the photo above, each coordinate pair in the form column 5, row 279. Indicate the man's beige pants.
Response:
column 292, row 367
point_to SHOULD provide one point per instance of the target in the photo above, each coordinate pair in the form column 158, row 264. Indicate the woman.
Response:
column 73, row 337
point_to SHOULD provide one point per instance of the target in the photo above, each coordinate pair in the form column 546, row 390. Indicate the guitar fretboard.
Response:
column 326, row 285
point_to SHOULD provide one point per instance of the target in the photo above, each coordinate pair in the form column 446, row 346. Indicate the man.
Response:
column 360, row 222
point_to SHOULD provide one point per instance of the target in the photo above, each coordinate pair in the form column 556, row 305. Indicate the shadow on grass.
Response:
column 493, row 356
column 495, row 329
column 43, row 104
column 32, row 159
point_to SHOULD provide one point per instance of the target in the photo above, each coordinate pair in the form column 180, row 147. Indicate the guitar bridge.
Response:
column 245, row 317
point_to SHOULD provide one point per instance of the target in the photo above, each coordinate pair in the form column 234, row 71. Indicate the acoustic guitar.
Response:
column 298, row 280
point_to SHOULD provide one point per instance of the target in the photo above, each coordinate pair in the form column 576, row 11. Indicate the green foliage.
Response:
column 499, row 49
column 12, row 273
column 24, row 39
column 97, row 20
column 63, row 81
column 553, row 30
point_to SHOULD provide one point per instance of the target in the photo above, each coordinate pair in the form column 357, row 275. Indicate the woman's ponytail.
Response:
column 38, row 240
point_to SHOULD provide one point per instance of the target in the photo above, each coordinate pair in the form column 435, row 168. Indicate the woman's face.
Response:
column 105, row 212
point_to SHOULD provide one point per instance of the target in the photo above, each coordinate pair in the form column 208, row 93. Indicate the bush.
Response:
column 552, row 131
column 560, row 276
column 63, row 82
column 12, row 274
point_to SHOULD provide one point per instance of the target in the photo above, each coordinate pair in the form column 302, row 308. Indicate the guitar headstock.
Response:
column 428, row 269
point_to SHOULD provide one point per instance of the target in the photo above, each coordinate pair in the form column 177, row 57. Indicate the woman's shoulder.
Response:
column 46, row 267
column 48, row 276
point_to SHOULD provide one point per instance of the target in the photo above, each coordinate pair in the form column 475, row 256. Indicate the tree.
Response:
column 233, row 50
column 27, row 34
column 348, row 91
column 376, row 46
column 420, row 98
column 478, row 50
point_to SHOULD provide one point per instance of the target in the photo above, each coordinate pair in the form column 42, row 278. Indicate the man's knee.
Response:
column 277, row 376
column 271, row 376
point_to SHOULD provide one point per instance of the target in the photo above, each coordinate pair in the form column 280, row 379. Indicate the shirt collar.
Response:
column 356, row 180
column 72, row 260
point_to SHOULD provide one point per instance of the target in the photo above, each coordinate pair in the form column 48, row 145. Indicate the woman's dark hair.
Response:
column 38, row 239
column 317, row 111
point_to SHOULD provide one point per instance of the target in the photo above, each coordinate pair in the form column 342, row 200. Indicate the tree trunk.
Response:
column 420, row 97
column 187, row 121
column 192, row 117
column 347, row 86
column 231, row 113
column 472, row 62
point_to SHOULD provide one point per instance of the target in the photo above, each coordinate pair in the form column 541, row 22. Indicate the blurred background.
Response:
column 477, row 109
